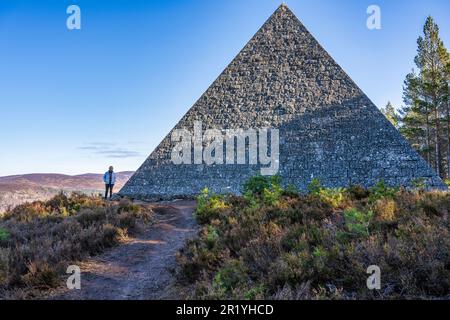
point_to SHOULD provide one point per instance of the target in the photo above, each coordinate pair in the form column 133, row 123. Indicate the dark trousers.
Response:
column 110, row 188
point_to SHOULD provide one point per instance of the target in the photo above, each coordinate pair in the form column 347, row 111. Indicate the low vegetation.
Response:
column 277, row 243
column 39, row 240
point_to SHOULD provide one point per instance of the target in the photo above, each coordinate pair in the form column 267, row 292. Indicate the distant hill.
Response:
column 42, row 186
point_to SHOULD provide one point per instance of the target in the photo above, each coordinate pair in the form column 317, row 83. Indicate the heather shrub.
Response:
column 435, row 204
column 318, row 245
column 126, row 205
column 385, row 209
column 40, row 275
column 4, row 254
column 228, row 277
column 357, row 192
column 39, row 240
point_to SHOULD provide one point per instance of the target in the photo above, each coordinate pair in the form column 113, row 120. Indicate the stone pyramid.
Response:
column 328, row 128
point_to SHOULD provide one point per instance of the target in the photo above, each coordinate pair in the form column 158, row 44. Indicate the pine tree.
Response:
column 425, row 117
column 414, row 117
column 391, row 114
column 445, row 93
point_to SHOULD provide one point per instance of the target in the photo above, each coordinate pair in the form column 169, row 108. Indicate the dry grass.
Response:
column 279, row 244
column 39, row 240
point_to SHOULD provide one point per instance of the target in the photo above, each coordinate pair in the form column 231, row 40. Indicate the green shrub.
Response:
column 315, row 186
column 334, row 197
column 256, row 185
column 380, row 191
column 291, row 191
column 202, row 199
column 209, row 206
column 219, row 290
column 271, row 197
column 231, row 275
column 256, row 292
column 4, row 235
column 211, row 236
column 357, row 222
column 418, row 183
column 265, row 189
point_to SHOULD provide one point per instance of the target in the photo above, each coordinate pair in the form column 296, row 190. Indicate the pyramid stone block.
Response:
column 328, row 128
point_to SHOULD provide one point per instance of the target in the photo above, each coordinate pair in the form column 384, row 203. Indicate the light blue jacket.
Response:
column 106, row 177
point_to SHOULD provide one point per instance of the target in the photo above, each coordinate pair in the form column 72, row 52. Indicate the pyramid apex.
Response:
column 282, row 79
column 283, row 7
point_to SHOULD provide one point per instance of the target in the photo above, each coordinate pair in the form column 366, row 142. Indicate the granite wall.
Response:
column 328, row 127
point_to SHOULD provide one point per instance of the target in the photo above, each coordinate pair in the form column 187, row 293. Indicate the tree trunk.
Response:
column 428, row 143
column 448, row 133
column 437, row 148
column 435, row 103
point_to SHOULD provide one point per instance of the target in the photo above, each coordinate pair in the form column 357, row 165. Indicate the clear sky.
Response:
column 76, row 101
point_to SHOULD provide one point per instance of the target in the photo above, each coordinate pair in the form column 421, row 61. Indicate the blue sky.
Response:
column 76, row 101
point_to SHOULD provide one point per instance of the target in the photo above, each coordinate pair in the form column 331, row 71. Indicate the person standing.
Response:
column 109, row 178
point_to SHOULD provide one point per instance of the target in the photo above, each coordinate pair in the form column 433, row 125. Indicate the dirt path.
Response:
column 139, row 269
